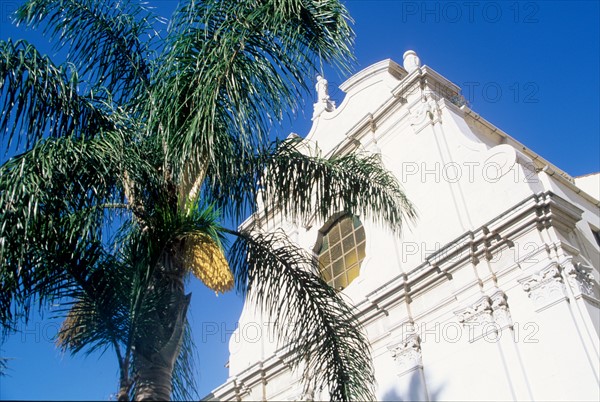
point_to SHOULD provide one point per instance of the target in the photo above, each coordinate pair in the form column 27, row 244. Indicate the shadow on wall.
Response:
column 415, row 391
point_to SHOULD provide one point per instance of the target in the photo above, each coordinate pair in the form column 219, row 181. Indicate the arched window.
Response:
column 341, row 251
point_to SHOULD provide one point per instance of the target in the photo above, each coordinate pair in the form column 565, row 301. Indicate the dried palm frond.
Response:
column 69, row 335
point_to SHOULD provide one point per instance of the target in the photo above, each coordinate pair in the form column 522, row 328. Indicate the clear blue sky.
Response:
column 529, row 67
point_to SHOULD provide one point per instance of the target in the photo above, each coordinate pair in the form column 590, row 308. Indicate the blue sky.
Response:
column 530, row 67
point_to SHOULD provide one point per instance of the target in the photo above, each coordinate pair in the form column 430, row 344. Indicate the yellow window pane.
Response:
column 346, row 226
column 350, row 258
column 324, row 259
column 336, row 251
column 361, row 252
column 338, row 267
column 326, row 274
column 348, row 243
column 340, row 282
column 353, row 273
column 334, row 235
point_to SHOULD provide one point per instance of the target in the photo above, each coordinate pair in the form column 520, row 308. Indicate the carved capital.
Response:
column 579, row 276
column 406, row 353
column 545, row 287
column 500, row 311
column 488, row 314
column 479, row 312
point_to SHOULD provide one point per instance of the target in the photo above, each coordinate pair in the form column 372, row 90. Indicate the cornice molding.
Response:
column 542, row 210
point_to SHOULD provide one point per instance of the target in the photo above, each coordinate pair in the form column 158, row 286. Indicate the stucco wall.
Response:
column 492, row 294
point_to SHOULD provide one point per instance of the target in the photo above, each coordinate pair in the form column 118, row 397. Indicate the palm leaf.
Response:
column 309, row 315
column 108, row 41
column 3, row 366
column 231, row 181
column 300, row 186
column 97, row 317
column 184, row 375
column 41, row 99
column 233, row 68
column 52, row 202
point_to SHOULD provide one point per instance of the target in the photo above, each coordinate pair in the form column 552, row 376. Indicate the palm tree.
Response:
column 130, row 157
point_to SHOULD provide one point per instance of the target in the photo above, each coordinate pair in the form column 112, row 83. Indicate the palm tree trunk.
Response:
column 154, row 383
column 154, row 373
column 157, row 350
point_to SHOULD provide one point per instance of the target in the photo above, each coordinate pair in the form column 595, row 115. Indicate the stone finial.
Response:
column 411, row 61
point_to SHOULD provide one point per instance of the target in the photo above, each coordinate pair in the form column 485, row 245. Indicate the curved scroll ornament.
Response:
column 425, row 112
column 501, row 160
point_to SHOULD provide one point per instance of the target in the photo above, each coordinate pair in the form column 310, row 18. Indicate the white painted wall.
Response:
column 502, row 262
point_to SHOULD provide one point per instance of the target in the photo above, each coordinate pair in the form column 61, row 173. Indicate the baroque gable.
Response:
column 479, row 296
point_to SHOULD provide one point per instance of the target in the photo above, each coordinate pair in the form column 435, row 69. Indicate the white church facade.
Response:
column 491, row 294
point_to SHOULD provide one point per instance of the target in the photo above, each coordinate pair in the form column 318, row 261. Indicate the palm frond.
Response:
column 52, row 202
column 3, row 366
column 97, row 317
column 109, row 41
column 231, row 181
column 309, row 315
column 299, row 185
column 184, row 375
column 234, row 68
column 41, row 99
